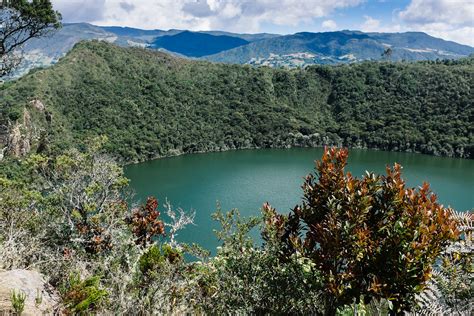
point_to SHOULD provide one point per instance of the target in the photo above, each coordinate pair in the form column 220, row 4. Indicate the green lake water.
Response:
column 245, row 179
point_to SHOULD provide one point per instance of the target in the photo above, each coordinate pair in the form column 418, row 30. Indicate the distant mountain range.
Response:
column 296, row 50
column 197, row 44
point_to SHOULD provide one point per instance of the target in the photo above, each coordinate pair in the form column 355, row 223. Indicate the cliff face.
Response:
column 17, row 138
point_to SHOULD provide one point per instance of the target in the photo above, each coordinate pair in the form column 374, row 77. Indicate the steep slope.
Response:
column 337, row 46
column 44, row 51
column 195, row 44
column 151, row 104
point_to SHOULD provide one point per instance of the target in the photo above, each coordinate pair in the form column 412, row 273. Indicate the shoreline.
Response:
column 179, row 153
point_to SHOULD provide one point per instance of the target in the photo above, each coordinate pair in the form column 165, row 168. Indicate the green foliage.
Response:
column 371, row 238
column 152, row 105
column 23, row 20
column 155, row 257
column 18, row 301
column 36, row 11
column 451, row 291
column 83, row 296
column 235, row 230
column 244, row 278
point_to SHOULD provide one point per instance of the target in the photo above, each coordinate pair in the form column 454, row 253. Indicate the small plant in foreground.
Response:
column 82, row 296
column 18, row 301
column 38, row 298
column 451, row 291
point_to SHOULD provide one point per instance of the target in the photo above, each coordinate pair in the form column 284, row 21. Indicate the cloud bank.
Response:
column 449, row 19
column 231, row 15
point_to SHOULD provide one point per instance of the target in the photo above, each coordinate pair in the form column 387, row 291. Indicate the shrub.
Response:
column 81, row 296
column 154, row 258
column 247, row 279
column 371, row 238
column 145, row 222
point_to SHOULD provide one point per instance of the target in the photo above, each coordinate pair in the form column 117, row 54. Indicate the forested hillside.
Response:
column 347, row 46
column 150, row 104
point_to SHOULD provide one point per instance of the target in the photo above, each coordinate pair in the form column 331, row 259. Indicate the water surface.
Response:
column 246, row 179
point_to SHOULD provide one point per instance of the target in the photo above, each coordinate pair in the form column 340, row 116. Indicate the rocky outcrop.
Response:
column 21, row 137
column 41, row 299
column 4, row 135
column 37, row 104
column 17, row 138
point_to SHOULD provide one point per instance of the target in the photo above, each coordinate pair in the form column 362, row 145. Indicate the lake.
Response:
column 245, row 179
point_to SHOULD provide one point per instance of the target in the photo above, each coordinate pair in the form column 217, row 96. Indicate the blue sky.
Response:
column 448, row 19
column 349, row 17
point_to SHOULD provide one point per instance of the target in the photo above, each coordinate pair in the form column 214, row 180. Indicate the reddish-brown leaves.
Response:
column 370, row 237
column 145, row 222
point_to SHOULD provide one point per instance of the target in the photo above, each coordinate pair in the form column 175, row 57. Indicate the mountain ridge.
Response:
column 364, row 46
column 151, row 104
column 294, row 50
column 197, row 44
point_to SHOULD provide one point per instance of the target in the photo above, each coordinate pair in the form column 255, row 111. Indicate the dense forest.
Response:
column 150, row 104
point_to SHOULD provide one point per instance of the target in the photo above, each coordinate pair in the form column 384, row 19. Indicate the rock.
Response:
column 37, row 104
column 2, row 152
column 41, row 298
column 21, row 137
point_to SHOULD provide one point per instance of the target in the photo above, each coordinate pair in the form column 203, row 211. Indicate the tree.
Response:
column 372, row 238
column 20, row 21
column 387, row 53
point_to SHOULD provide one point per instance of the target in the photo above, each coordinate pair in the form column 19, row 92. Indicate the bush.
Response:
column 83, row 296
column 370, row 238
column 246, row 279
column 145, row 222
column 154, row 258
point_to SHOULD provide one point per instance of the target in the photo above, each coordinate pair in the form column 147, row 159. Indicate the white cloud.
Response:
column 448, row 19
column 230, row 15
column 370, row 24
column 329, row 25
column 439, row 11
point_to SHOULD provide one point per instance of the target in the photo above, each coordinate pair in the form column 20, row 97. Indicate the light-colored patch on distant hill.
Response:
column 419, row 50
column 109, row 39
column 137, row 44
column 348, row 57
column 300, row 59
column 430, row 50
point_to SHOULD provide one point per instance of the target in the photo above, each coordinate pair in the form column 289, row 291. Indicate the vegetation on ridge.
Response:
column 150, row 104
